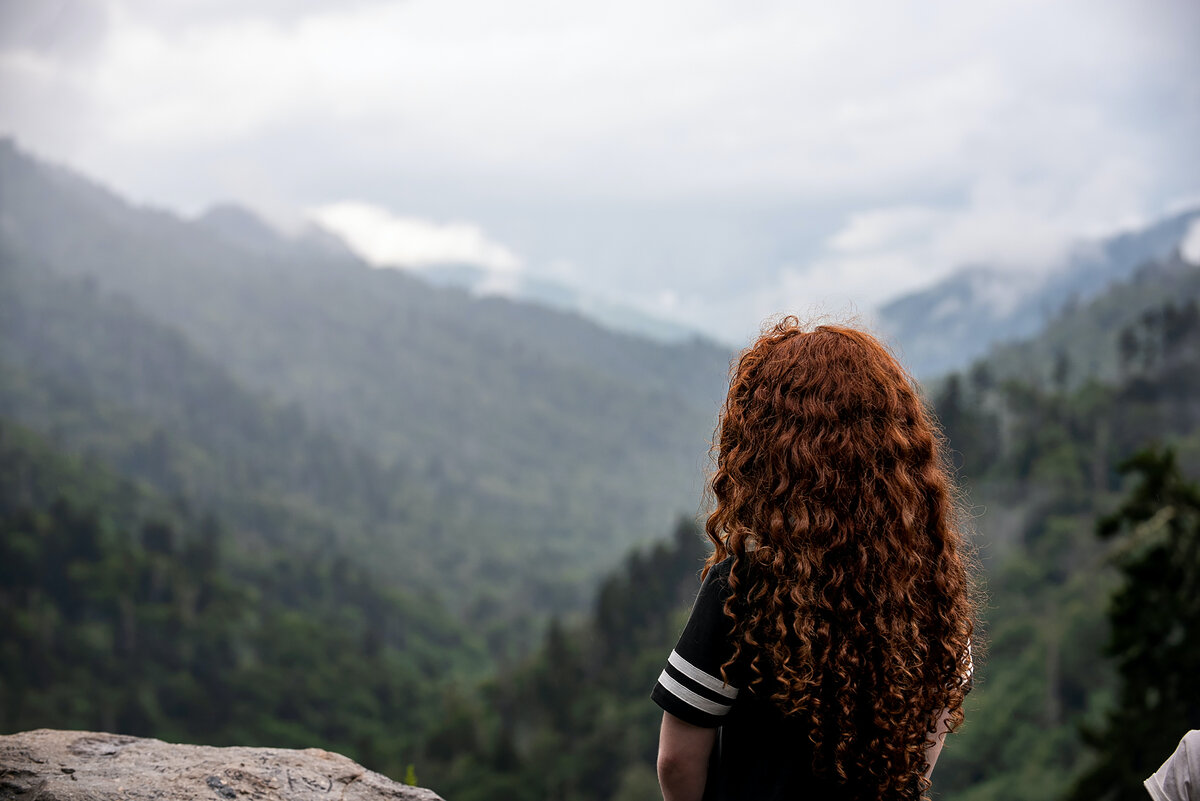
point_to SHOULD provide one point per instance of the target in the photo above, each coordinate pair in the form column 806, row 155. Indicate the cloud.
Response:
column 1016, row 226
column 879, row 228
column 624, row 98
column 1189, row 248
column 387, row 240
column 860, row 281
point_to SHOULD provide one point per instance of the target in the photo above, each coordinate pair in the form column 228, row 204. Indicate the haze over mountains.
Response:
column 956, row 320
column 938, row 327
column 556, row 441
column 581, row 438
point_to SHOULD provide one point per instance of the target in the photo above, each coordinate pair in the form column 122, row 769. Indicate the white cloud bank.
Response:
column 628, row 98
column 1018, row 227
column 387, row 240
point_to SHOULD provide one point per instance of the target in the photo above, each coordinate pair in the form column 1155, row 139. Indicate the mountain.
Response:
column 1038, row 429
column 102, row 378
column 956, row 320
column 239, row 226
column 532, row 446
column 1091, row 340
column 555, row 295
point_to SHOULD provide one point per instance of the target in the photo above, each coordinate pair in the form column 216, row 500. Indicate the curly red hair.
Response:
column 849, row 588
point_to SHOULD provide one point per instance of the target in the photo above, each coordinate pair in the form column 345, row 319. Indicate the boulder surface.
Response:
column 51, row 765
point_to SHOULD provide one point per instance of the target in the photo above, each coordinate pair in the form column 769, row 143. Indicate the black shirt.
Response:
column 760, row 755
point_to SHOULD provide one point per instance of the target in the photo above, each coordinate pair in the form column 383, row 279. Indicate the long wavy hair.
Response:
column 850, row 591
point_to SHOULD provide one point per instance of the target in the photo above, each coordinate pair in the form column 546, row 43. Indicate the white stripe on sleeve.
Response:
column 700, row 677
column 690, row 698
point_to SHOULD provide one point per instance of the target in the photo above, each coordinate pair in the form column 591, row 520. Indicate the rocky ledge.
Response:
column 53, row 765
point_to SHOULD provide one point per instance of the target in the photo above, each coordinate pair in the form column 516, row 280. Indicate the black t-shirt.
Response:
column 760, row 755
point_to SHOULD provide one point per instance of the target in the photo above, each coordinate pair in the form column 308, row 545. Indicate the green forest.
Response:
column 270, row 497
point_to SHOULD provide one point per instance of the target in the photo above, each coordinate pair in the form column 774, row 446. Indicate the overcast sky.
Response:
column 711, row 162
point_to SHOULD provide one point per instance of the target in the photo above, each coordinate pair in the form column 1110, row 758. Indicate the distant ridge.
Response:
column 956, row 320
column 240, row 226
column 1082, row 342
column 617, row 316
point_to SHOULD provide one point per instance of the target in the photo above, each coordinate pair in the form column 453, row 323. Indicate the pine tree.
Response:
column 1155, row 630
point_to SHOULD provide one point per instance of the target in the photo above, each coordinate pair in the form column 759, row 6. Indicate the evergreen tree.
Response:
column 1155, row 630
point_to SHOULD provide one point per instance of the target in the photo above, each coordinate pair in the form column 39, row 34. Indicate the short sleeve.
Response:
column 690, row 686
column 1176, row 780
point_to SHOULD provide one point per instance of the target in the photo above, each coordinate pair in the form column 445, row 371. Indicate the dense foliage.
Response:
column 1155, row 620
column 1040, row 460
column 122, row 612
column 575, row 720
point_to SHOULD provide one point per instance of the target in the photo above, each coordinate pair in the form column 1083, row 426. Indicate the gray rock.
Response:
column 50, row 765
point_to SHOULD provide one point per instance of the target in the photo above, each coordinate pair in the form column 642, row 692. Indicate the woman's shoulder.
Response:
column 723, row 568
column 746, row 566
column 722, row 581
column 718, row 574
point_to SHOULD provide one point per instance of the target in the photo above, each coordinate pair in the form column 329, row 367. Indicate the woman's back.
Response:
column 836, row 600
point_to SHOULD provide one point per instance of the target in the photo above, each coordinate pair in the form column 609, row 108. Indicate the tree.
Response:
column 1155, row 629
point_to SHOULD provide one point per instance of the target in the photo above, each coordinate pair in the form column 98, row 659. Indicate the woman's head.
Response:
column 849, row 586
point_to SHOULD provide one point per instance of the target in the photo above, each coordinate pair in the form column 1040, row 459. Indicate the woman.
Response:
column 828, row 651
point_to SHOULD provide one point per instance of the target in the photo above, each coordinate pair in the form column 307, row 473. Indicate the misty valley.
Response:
column 255, row 492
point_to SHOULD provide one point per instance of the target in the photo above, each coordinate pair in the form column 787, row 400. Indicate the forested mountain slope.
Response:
column 1039, row 461
column 102, row 378
column 1098, row 339
column 125, row 611
column 544, row 441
